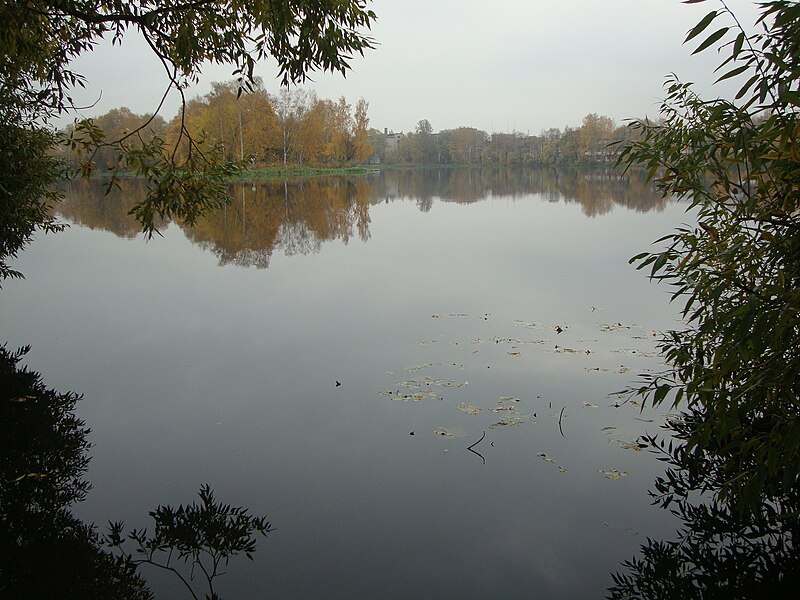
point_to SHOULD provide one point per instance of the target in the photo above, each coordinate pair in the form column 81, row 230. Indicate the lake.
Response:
column 411, row 373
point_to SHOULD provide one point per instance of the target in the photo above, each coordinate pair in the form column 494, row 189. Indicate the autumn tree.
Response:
column 361, row 148
column 39, row 40
column 595, row 134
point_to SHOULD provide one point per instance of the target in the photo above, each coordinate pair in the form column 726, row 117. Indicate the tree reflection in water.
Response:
column 49, row 553
column 298, row 216
column 723, row 549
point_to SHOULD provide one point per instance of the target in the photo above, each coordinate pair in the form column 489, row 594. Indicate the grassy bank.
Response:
column 298, row 172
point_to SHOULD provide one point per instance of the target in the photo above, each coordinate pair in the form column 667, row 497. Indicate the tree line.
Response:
column 593, row 141
column 295, row 127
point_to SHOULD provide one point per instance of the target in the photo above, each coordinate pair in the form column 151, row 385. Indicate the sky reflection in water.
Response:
column 211, row 356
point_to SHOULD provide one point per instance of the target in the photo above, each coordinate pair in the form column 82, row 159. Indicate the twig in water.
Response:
column 561, row 416
column 470, row 448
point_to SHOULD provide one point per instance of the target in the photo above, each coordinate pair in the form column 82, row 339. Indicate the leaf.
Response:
column 701, row 26
column 733, row 73
column 714, row 37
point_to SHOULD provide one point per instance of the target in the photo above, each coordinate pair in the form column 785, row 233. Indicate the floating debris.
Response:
column 563, row 350
column 635, row 352
column 597, row 370
column 635, row 446
column 415, row 368
column 503, row 406
column 427, row 342
column 414, row 397
column 528, row 324
column 449, row 432
column 515, row 353
column 468, row 409
column 511, row 341
column 545, row 457
column 30, row 476
column 429, row 381
column 508, row 399
column 590, row 405
column 562, row 469
column 613, row 474
column 508, row 422
column 613, row 327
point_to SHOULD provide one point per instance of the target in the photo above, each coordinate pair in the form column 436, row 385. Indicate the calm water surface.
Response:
column 211, row 355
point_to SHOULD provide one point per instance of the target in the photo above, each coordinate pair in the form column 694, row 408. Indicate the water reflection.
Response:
column 719, row 551
column 297, row 217
column 48, row 553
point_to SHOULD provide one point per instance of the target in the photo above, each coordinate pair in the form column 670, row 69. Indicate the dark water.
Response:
column 211, row 355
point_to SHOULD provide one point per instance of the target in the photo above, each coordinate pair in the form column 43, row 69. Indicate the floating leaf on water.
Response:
column 458, row 315
column 562, row 469
column 527, row 324
column 508, row 422
column 597, row 370
column 513, row 353
column 20, row 399
column 608, row 429
column 508, row 399
column 563, row 350
column 427, row 342
column 435, row 316
column 613, row 474
column 31, row 476
column 612, row 327
column 449, row 432
column 545, row 457
column 415, row 397
column 674, row 419
column 415, row 368
column 468, row 408
column 635, row 446
column 590, row 405
column 428, row 381
column 644, row 420
column 634, row 352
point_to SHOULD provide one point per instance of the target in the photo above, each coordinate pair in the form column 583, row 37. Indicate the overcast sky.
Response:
column 499, row 65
